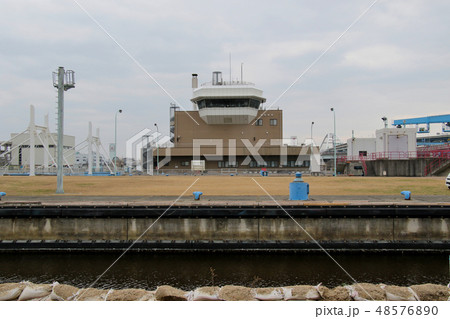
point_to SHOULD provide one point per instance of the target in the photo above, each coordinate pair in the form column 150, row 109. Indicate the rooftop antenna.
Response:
column 230, row 67
column 242, row 72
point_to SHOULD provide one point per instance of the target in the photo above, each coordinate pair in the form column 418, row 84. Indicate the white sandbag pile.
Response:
column 25, row 291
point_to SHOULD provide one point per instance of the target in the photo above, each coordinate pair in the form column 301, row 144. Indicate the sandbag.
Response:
column 268, row 294
column 235, row 293
column 365, row 291
column 130, row 295
column 168, row 293
column 301, row 292
column 91, row 294
column 11, row 291
column 206, row 294
column 431, row 292
column 149, row 296
column 334, row 294
column 396, row 293
column 62, row 292
column 46, row 298
column 33, row 291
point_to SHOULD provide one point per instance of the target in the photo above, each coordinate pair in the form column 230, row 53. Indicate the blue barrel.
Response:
column 298, row 189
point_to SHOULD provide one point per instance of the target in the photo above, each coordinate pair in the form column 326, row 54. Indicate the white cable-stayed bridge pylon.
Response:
column 92, row 142
column 33, row 138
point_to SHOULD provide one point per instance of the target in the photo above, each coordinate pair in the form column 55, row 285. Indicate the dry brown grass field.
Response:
column 218, row 185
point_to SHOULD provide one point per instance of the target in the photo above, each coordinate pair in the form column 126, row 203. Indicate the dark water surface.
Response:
column 189, row 270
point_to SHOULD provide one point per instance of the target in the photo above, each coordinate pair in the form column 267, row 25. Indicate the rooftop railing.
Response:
column 228, row 83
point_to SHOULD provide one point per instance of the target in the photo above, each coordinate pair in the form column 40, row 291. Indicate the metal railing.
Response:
column 225, row 83
column 437, row 154
column 436, row 165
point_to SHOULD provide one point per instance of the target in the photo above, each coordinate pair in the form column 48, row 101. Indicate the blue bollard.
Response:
column 298, row 189
column 2, row 194
column 197, row 195
column 407, row 194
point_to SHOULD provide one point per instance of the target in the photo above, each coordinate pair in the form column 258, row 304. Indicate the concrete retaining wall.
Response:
column 245, row 229
column 412, row 167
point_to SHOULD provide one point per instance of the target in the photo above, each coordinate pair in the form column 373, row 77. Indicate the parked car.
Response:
column 447, row 181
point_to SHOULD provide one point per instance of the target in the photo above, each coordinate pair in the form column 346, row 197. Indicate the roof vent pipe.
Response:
column 194, row 81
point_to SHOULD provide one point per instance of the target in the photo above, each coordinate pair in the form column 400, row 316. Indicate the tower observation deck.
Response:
column 222, row 102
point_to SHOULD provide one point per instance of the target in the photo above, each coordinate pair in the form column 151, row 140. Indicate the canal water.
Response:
column 190, row 270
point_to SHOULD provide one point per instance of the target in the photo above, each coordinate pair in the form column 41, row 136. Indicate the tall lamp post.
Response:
column 334, row 140
column 115, row 142
column 157, row 149
column 311, row 145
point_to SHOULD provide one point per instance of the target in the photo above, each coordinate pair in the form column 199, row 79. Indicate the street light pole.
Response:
column 334, row 140
column 115, row 142
column 157, row 149
column 311, row 145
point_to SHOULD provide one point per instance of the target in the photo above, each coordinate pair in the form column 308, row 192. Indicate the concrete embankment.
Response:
column 25, row 291
column 226, row 227
column 423, row 227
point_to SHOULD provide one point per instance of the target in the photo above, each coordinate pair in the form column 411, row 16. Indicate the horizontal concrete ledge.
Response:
column 229, row 211
column 220, row 245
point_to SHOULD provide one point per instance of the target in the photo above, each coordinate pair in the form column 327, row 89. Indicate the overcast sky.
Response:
column 394, row 62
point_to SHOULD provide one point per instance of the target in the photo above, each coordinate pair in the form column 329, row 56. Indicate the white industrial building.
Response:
column 82, row 159
column 389, row 143
column 44, row 148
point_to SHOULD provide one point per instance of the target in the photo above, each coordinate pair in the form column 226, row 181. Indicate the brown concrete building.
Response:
column 229, row 129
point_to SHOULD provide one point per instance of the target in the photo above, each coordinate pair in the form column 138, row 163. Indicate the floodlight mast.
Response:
column 63, row 81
